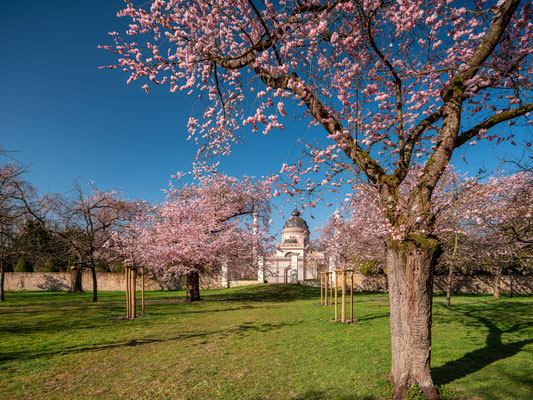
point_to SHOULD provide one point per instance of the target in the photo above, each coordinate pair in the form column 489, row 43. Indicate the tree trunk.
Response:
column 410, row 276
column 75, row 280
column 497, row 281
column 2, row 278
column 95, row 284
column 193, row 287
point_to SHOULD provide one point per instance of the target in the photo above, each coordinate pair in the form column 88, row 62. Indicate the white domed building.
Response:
column 293, row 262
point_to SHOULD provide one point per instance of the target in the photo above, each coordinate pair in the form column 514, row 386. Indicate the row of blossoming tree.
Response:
column 392, row 85
column 215, row 222
column 484, row 225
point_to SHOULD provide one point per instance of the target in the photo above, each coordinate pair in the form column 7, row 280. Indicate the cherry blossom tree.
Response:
column 358, row 238
column 392, row 84
column 499, row 224
column 202, row 226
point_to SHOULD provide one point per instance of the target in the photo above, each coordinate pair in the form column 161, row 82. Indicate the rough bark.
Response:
column 410, row 277
column 193, row 287
column 75, row 280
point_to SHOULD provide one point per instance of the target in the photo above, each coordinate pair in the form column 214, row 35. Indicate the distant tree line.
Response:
column 215, row 224
column 485, row 227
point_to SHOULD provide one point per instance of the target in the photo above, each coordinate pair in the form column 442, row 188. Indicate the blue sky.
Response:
column 69, row 119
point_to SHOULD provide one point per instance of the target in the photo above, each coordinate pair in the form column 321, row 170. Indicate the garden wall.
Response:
column 516, row 284
column 109, row 281
column 106, row 281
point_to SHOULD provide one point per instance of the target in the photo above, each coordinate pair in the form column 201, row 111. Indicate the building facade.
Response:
column 293, row 261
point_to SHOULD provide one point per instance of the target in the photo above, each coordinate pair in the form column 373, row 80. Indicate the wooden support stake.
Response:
column 142, row 293
column 321, row 288
column 129, row 292
column 336, row 290
column 351, row 297
column 134, row 293
column 343, row 304
column 130, row 273
column 331, row 288
column 326, row 280
column 126, row 280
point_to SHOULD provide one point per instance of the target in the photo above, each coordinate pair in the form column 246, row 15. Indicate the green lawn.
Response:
column 259, row 342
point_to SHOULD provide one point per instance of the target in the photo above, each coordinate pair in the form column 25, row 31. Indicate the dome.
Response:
column 295, row 221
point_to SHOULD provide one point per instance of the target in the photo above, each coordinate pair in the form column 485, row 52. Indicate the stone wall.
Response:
column 516, row 284
column 106, row 282
column 61, row 281
column 372, row 283
column 461, row 284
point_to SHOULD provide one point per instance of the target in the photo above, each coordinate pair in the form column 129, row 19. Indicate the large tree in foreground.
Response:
column 392, row 84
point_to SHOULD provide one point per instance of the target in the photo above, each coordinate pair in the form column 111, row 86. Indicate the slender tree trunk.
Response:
column 2, row 280
column 75, row 280
column 450, row 274
column 95, row 284
column 410, row 277
column 193, row 287
column 497, row 282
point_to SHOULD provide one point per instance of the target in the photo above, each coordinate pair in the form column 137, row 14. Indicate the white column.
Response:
column 261, row 269
column 225, row 275
column 294, row 268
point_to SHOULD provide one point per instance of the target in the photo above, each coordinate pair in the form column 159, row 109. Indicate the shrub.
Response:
column 370, row 267
column 119, row 268
column 23, row 266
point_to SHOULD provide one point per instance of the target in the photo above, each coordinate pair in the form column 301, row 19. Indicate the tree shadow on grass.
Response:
column 321, row 395
column 366, row 318
column 275, row 293
column 267, row 293
column 476, row 360
column 240, row 331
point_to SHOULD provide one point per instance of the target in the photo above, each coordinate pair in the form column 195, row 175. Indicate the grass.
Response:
column 260, row 342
